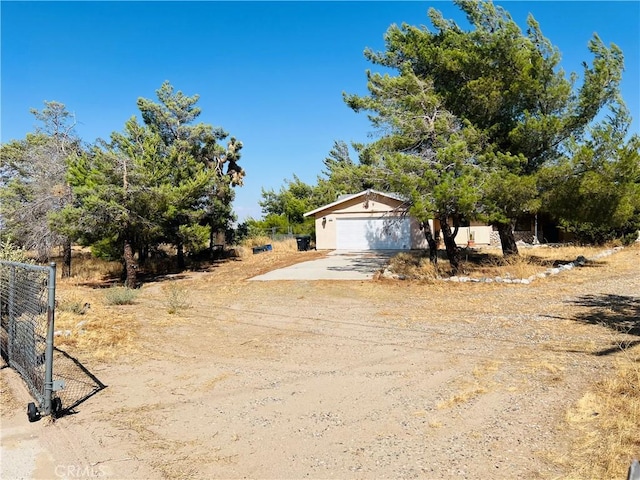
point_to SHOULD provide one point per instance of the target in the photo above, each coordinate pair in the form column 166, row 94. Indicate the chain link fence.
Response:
column 27, row 311
column 79, row 383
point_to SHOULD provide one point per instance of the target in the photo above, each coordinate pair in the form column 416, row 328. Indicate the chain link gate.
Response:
column 27, row 312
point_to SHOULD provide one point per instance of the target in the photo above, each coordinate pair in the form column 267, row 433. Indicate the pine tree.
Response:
column 33, row 183
column 193, row 149
column 594, row 190
column 426, row 154
column 510, row 88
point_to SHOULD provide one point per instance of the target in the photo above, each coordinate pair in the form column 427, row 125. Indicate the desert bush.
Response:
column 176, row 298
column 414, row 265
column 120, row 296
column 12, row 253
column 72, row 303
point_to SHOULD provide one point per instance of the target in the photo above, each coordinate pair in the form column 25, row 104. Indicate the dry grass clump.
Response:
column 472, row 388
column 97, row 331
column 85, row 267
column 256, row 241
column 88, row 327
column 285, row 245
column 489, row 263
column 245, row 249
column 608, row 421
column 72, row 302
column 521, row 266
column 120, row 296
column 176, row 298
column 240, row 251
column 414, row 265
column 464, row 396
column 104, row 338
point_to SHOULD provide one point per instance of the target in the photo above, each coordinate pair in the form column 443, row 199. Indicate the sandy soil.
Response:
column 377, row 379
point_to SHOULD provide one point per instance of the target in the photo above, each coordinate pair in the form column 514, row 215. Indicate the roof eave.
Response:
column 349, row 198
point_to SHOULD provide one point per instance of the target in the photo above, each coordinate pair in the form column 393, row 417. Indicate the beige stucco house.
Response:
column 372, row 220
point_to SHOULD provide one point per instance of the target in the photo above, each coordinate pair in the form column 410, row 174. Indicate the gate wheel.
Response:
column 56, row 406
column 32, row 412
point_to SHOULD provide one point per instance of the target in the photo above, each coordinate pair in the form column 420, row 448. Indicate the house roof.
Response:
column 347, row 198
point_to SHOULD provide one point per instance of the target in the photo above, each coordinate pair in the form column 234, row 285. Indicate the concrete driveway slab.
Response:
column 338, row 265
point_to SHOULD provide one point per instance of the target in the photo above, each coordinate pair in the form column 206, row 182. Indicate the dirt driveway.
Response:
column 339, row 380
column 336, row 265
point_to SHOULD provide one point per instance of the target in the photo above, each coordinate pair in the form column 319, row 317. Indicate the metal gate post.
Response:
column 48, row 356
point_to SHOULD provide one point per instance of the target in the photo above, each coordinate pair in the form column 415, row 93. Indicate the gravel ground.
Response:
column 382, row 379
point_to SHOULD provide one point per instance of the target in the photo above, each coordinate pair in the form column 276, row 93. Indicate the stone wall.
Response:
column 526, row 236
column 520, row 236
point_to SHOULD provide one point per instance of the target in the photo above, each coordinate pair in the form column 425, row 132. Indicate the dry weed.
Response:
column 486, row 367
column 286, row 245
column 102, row 339
column 120, row 296
column 176, row 298
column 97, row 331
column 85, row 268
column 256, row 241
column 72, row 302
column 544, row 370
column 463, row 397
column 211, row 383
column 490, row 263
column 414, row 265
column 607, row 420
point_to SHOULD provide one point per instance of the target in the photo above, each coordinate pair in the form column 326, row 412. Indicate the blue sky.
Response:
column 270, row 73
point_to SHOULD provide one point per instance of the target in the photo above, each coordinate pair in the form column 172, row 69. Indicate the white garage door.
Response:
column 373, row 234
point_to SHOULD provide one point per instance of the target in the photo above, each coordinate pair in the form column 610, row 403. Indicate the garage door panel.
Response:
column 373, row 234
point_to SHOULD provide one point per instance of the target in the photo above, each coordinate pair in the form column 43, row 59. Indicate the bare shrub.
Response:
column 72, row 303
column 120, row 296
column 414, row 265
column 176, row 298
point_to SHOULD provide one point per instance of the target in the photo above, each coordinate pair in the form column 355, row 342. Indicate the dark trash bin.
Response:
column 262, row 248
column 304, row 243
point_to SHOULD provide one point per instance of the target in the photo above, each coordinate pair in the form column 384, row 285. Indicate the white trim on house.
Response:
column 351, row 197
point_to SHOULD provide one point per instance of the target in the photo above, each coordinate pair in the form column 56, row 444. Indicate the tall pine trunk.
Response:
column 180, row 255
column 507, row 239
column 66, row 258
column 221, row 237
column 431, row 241
column 453, row 252
column 130, row 267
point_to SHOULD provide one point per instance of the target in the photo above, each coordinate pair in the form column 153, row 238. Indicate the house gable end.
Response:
column 368, row 201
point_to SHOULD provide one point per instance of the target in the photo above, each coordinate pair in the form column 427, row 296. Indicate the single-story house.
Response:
column 373, row 220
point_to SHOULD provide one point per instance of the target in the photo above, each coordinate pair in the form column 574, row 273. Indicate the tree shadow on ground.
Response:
column 620, row 313
column 155, row 272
